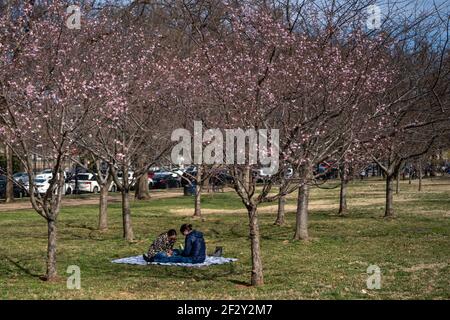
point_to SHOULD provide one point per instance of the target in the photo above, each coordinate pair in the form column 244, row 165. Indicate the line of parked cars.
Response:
column 160, row 178
column 18, row 191
column 86, row 182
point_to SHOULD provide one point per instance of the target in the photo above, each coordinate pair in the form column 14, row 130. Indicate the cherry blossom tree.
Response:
column 43, row 84
column 255, row 72
column 341, row 130
column 225, row 77
column 328, row 98
column 412, row 117
column 126, row 130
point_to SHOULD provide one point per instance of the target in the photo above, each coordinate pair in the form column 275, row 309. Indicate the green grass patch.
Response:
column 413, row 250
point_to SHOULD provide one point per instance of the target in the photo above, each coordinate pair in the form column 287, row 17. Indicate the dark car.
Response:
column 18, row 191
column 218, row 178
column 165, row 181
column 326, row 171
column 221, row 179
column 188, row 177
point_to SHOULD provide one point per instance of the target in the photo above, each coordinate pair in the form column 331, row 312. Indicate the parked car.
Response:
column 166, row 181
column 87, row 182
column 261, row 174
column 218, row 178
column 150, row 182
column 326, row 171
column 44, row 174
column 289, row 173
column 18, row 191
column 188, row 177
column 190, row 169
column 131, row 179
column 48, row 174
column 221, row 178
column 178, row 172
column 150, row 175
column 21, row 177
column 153, row 170
column 42, row 183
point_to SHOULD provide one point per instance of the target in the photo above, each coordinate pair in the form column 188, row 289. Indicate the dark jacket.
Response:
column 194, row 247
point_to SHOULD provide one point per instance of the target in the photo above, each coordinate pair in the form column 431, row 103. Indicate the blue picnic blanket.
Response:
column 209, row 261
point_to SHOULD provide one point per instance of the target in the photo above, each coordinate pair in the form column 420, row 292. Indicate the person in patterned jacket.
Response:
column 163, row 244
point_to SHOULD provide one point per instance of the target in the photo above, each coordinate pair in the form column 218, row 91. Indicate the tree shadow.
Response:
column 93, row 231
column 78, row 226
column 240, row 283
column 198, row 274
column 22, row 268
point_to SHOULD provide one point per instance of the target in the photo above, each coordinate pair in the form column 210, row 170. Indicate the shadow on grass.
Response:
column 25, row 270
column 199, row 274
column 240, row 283
column 210, row 273
column 78, row 226
column 93, row 234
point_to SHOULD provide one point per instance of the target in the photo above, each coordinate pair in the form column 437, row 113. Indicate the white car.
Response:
column 263, row 173
column 131, row 179
column 177, row 172
column 87, row 182
column 45, row 174
column 42, row 184
column 289, row 173
column 48, row 174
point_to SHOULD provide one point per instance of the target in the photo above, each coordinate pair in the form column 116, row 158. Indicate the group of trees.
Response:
column 116, row 89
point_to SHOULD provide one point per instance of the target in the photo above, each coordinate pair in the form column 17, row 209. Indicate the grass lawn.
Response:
column 413, row 250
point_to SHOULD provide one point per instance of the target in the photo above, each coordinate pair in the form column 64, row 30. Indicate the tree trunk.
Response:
column 126, row 215
column 142, row 190
column 420, row 176
column 51, row 251
column 281, row 211
column 247, row 177
column 343, row 191
column 257, row 278
column 343, row 197
column 198, row 204
column 207, row 185
column 198, row 192
column 397, row 183
column 389, row 210
column 9, row 195
column 103, row 210
column 301, row 231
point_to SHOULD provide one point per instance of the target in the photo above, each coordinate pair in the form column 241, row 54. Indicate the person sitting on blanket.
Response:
column 194, row 244
column 194, row 249
column 163, row 245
